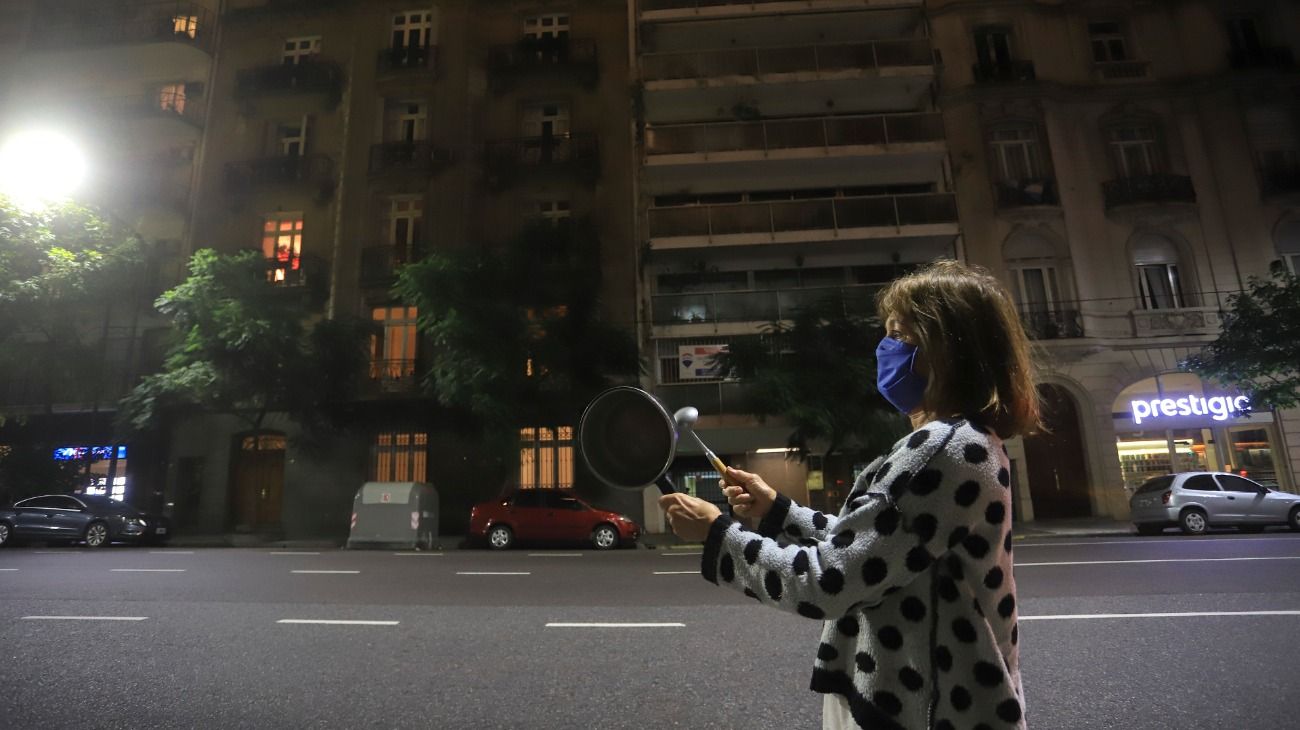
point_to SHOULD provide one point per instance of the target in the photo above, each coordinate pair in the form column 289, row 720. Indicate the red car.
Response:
column 529, row 515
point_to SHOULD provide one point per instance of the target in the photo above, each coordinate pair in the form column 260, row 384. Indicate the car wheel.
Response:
column 604, row 537
column 5, row 532
column 96, row 535
column 1293, row 519
column 1150, row 529
column 500, row 537
column 1193, row 522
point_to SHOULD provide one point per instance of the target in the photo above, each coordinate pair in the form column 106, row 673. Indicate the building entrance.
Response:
column 1057, row 470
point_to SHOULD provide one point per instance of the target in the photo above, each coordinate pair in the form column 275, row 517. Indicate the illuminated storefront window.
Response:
column 107, row 468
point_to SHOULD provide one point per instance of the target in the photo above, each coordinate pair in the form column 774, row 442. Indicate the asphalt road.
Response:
column 1131, row 633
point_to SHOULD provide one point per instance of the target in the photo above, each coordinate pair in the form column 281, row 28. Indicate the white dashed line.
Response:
column 8, row 570
column 147, row 570
column 484, row 572
column 1157, row 560
column 171, row 552
column 554, row 555
column 681, row 555
column 330, row 622
column 1188, row 614
column 293, row 553
column 677, row 572
column 85, row 618
column 57, row 552
column 326, row 572
column 1171, row 540
column 419, row 555
column 615, row 625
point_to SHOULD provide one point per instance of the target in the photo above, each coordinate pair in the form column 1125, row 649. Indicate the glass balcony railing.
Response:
column 829, row 214
column 787, row 59
column 778, row 134
column 758, row 306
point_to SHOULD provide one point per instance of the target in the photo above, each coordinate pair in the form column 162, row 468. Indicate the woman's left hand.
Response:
column 690, row 517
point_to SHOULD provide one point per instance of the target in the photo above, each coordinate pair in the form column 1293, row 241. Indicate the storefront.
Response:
column 1172, row 423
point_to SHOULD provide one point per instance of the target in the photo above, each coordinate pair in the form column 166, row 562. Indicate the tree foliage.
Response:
column 1258, row 349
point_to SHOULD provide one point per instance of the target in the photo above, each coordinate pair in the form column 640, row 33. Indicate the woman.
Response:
column 913, row 576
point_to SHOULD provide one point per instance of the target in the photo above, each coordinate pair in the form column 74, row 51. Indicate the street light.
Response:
column 40, row 167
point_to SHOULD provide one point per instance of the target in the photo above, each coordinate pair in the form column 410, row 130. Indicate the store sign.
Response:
column 1219, row 407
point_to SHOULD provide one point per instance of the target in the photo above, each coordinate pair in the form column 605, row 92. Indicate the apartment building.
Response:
column 128, row 82
column 1126, row 167
column 787, row 152
column 350, row 137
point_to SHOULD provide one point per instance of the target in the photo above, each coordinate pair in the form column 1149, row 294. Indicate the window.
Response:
column 300, row 50
column 1236, row 484
column 292, row 139
column 1035, row 288
column 186, row 25
column 407, row 121
column 406, row 222
column 171, row 98
column 1274, row 132
column 553, row 211
column 546, row 457
column 526, row 499
column 1159, row 484
column 1159, row 280
column 1288, row 244
column 554, row 25
column 400, row 456
column 546, row 120
column 413, row 29
column 1134, row 150
column 1201, row 483
column 282, row 244
column 993, row 47
column 1015, row 154
column 392, row 352
column 1108, row 45
column 40, row 503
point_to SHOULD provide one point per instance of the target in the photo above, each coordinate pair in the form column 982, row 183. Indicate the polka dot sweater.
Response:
column 912, row 579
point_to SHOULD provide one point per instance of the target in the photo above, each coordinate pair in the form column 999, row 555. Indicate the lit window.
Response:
column 412, row 29
column 171, row 98
column 293, row 139
column 282, row 244
column 546, row 457
column 407, row 121
column 399, row 456
column 300, row 50
column 553, row 25
column 1108, row 43
column 392, row 352
column 186, row 25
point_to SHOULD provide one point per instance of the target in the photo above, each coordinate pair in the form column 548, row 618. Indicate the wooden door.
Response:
column 257, row 481
column 1058, row 475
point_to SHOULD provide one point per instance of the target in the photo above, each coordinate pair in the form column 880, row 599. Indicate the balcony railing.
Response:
column 298, row 169
column 408, row 157
column 379, row 264
column 128, row 23
column 787, row 59
column 308, row 277
column 1280, row 179
column 652, row 5
column 759, row 306
column 532, row 54
column 392, row 376
column 1275, row 57
column 577, row 154
column 1056, row 324
column 778, row 134
column 1027, row 193
column 158, row 105
column 1005, row 72
column 409, row 58
column 316, row 75
column 831, row 214
column 1147, row 189
column 1120, row 70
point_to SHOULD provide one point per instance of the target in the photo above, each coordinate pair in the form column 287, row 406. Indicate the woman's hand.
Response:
column 747, row 494
column 690, row 517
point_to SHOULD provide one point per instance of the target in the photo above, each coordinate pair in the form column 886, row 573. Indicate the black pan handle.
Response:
column 665, row 485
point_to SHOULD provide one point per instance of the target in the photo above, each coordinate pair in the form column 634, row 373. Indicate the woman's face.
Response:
column 901, row 330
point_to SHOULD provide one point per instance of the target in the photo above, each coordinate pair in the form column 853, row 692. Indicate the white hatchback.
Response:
column 1197, row 500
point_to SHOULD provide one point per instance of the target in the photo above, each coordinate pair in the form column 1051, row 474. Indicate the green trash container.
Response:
column 401, row 515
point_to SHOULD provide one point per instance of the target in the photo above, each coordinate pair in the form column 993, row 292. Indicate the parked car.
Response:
column 93, row 520
column 528, row 515
column 1197, row 500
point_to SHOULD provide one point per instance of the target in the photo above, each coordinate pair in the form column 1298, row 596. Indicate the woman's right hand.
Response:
column 747, row 493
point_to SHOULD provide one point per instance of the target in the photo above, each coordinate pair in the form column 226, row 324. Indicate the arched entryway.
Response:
column 1054, row 459
column 257, row 480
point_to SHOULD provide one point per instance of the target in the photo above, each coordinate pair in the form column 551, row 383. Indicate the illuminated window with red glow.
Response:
column 282, row 245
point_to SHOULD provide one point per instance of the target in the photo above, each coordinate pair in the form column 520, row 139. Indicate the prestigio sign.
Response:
column 1219, row 407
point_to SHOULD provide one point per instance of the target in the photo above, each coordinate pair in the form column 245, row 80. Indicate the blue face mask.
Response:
column 895, row 378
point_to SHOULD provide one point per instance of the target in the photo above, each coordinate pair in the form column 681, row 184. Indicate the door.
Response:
column 34, row 518
column 68, row 518
column 1203, row 490
column 1058, row 474
column 258, row 481
column 527, row 515
column 1247, row 498
column 572, row 519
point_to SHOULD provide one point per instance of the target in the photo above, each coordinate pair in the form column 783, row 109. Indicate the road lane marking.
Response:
column 1186, row 614
column 1166, row 541
column 486, row 572
column 554, row 555
column 332, row 622
column 8, row 570
column 419, row 555
column 147, row 570
column 677, row 572
column 326, row 572
column 290, row 552
column 85, row 618
column 615, row 625
column 57, row 552
column 680, row 555
column 1156, row 560
column 171, row 552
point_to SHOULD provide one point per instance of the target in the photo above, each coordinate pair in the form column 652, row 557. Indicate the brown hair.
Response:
column 972, row 339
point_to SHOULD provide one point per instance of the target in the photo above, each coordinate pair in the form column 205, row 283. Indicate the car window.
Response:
column 1201, row 483
column 527, row 498
column 39, row 502
column 1232, row 483
column 66, row 503
column 570, row 503
column 1158, row 484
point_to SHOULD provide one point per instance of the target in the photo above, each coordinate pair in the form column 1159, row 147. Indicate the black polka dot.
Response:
column 911, row 679
column 900, row 482
column 988, row 675
column 960, row 698
column 966, row 493
column 1015, row 634
column 819, row 521
column 848, row 626
column 751, row 551
column 948, row 589
column 924, row 526
column 926, row 481
column 884, row 469
column 993, row 578
column 1007, row 606
column 874, row 570
column 808, row 542
column 955, row 567
column 918, row 559
column 995, row 513
column 963, row 630
column 912, row 608
column 975, row 453
column 727, row 568
column 887, row 702
column 1004, row 477
column 772, row 582
column 982, row 726
column 752, row 594
column 957, row 535
column 843, row 539
column 1009, row 710
column 864, row 662
column 827, row 653
column 1006, row 542
column 832, row 581
column 917, row 439
column 944, row 725
column 887, row 521
column 856, row 504
column 793, row 530
column 800, row 562
column 809, row 610
column 943, row 658
column 890, row 638
column 977, row 546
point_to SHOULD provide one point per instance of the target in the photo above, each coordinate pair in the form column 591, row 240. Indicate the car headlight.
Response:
column 136, row 522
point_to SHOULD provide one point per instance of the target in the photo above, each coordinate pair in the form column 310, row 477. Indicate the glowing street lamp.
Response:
column 40, row 167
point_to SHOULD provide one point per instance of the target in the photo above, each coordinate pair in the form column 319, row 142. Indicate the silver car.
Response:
column 1200, row 499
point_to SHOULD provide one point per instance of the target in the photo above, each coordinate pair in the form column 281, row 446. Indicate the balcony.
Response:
column 1120, row 70
column 391, row 376
column 1185, row 321
column 709, row 397
column 1004, row 73
column 1280, row 176
column 757, row 306
column 531, row 56
column 307, row 277
column 118, row 24
column 785, row 60
column 653, row 6
column 318, row 76
column 1148, row 190
column 412, row 158
column 821, row 133
column 379, row 264
column 294, row 171
column 875, row 216
column 568, row 154
column 1273, row 57
column 1058, row 324
column 401, row 60
column 1031, row 193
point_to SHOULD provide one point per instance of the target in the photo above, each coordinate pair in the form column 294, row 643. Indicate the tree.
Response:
column 516, row 336
column 1258, row 349
column 244, row 346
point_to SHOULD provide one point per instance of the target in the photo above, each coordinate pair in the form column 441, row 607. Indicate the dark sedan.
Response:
column 92, row 520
